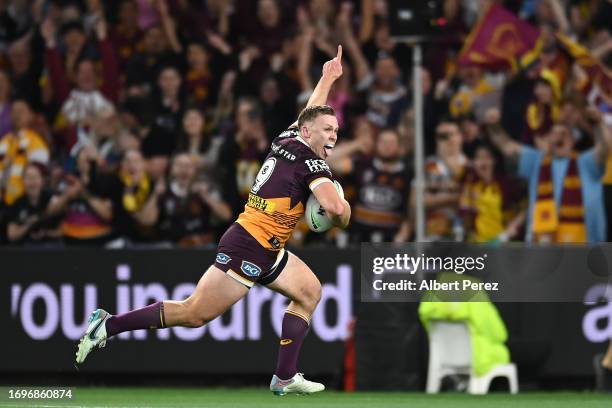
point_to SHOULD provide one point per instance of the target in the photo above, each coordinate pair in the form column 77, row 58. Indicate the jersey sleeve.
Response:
column 312, row 171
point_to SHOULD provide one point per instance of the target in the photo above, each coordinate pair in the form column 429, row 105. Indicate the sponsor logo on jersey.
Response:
column 317, row 166
column 285, row 342
column 250, row 268
column 283, row 152
column 260, row 203
column 223, row 258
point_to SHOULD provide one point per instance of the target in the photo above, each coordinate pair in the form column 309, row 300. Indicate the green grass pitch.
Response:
column 262, row 398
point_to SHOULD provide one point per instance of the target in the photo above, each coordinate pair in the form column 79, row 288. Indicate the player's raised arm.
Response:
column 336, row 207
column 332, row 70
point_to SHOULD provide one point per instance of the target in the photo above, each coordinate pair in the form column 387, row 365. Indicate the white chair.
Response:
column 450, row 352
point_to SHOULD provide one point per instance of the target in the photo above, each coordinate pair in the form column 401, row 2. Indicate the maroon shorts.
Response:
column 244, row 259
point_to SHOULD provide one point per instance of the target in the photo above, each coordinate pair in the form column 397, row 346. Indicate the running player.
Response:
column 251, row 250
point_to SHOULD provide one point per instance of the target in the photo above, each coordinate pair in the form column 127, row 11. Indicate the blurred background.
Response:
column 140, row 125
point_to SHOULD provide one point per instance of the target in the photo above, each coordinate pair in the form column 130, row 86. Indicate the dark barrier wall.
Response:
column 46, row 296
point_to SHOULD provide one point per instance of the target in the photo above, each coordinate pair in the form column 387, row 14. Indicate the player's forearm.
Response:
column 321, row 91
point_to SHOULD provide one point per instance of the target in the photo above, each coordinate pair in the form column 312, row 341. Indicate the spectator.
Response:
column 126, row 36
column 383, row 94
column 81, row 103
column 161, row 48
column 29, row 222
column 199, row 76
column 86, row 214
column 565, row 190
column 383, row 188
column 543, row 111
column 23, row 145
column 134, row 198
column 265, row 38
column 5, row 103
column 186, row 207
column 470, row 129
column 276, row 114
column 202, row 147
column 476, row 91
column 243, row 152
column 490, row 202
column 25, row 71
column 166, row 113
column 444, row 172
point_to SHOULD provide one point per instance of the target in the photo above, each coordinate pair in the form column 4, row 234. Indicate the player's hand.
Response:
column 332, row 69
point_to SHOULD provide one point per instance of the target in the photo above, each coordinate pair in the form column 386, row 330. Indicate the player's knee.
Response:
column 196, row 316
column 311, row 295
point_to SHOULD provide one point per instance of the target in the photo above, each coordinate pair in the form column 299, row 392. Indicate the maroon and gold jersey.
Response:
column 278, row 197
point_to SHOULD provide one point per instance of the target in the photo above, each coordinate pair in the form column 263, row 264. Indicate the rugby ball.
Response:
column 315, row 215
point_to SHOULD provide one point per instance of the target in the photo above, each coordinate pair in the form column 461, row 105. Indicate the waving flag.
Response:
column 598, row 74
column 498, row 40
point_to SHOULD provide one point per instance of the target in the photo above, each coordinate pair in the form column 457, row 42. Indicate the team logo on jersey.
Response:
column 223, row 259
column 285, row 342
column 317, row 165
column 250, row 268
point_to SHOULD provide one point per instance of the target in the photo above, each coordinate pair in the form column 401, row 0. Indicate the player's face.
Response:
column 322, row 134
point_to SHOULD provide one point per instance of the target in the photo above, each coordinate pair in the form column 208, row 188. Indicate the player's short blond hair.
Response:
column 310, row 113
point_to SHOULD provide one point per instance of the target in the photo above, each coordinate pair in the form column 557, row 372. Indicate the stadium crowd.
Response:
column 144, row 122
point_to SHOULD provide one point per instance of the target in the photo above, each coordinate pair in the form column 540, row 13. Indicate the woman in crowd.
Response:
column 489, row 201
column 28, row 220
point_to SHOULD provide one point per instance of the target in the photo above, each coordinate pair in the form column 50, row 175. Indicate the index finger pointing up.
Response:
column 339, row 54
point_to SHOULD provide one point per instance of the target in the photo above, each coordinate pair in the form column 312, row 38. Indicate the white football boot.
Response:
column 296, row 385
column 95, row 335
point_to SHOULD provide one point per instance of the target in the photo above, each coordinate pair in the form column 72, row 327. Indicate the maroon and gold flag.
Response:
column 597, row 73
column 498, row 40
